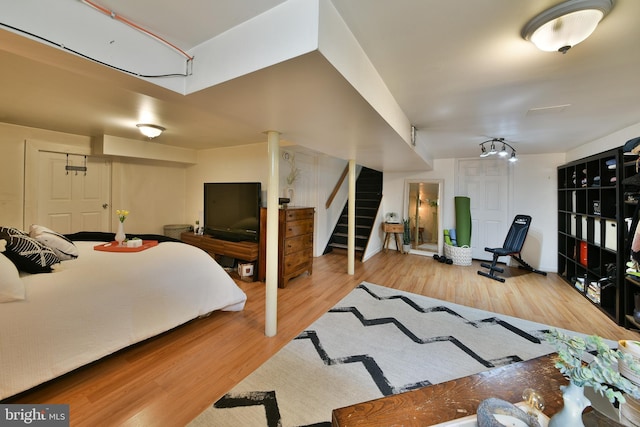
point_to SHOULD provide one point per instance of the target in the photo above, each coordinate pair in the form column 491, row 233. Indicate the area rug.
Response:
column 375, row 342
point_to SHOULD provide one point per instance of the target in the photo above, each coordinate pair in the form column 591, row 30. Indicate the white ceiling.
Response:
column 458, row 69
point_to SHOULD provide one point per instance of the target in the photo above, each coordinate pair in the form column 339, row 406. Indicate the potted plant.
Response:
column 406, row 236
column 600, row 373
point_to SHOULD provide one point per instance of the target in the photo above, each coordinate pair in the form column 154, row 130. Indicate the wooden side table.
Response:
column 395, row 229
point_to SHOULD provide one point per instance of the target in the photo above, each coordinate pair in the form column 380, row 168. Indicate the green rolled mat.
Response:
column 463, row 220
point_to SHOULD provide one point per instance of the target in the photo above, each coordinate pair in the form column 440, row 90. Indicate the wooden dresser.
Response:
column 295, row 243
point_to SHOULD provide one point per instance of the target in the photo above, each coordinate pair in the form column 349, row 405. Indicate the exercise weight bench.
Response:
column 511, row 247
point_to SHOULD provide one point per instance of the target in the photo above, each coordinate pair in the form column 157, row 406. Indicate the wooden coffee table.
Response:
column 458, row 398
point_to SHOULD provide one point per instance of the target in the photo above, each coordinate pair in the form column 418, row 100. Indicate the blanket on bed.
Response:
column 101, row 302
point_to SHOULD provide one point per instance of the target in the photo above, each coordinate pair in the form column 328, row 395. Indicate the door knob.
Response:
column 105, row 205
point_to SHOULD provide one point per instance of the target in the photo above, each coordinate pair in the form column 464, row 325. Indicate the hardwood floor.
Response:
column 170, row 379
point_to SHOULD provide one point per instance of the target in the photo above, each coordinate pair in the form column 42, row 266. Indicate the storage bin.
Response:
column 583, row 253
column 459, row 255
column 611, row 235
column 175, row 230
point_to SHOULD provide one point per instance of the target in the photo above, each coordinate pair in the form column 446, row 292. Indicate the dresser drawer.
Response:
column 298, row 243
column 297, row 262
column 296, row 228
column 298, row 214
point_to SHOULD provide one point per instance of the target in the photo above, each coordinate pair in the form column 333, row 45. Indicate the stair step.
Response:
column 359, row 228
column 341, row 246
column 345, row 235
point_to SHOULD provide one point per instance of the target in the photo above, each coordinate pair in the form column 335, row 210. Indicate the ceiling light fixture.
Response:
column 565, row 25
column 503, row 152
column 150, row 131
column 492, row 149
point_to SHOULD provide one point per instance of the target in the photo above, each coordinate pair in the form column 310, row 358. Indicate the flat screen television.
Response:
column 232, row 210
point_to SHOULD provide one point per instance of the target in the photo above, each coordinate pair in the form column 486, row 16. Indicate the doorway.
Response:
column 69, row 202
column 66, row 200
column 486, row 183
column 422, row 209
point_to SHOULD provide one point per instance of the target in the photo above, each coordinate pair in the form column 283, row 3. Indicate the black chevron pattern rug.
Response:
column 377, row 341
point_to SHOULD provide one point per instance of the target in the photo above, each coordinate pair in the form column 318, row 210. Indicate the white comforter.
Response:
column 102, row 302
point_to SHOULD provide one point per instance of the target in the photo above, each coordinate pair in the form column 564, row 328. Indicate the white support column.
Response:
column 271, row 282
column 351, row 219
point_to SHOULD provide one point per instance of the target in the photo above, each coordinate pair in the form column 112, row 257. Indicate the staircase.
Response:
column 368, row 196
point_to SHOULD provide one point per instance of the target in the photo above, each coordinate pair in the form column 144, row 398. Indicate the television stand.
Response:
column 244, row 251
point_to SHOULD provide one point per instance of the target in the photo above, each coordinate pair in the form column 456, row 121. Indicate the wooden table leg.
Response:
column 398, row 244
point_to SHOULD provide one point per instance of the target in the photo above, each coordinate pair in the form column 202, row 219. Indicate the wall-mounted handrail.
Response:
column 337, row 187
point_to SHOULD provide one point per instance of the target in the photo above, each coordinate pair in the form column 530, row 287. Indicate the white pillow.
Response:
column 63, row 247
column 11, row 286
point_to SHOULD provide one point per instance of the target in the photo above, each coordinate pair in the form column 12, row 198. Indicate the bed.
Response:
column 100, row 302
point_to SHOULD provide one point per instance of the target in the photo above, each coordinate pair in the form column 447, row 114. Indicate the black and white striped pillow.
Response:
column 27, row 253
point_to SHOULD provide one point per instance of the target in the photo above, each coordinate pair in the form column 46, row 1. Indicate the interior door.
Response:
column 70, row 201
column 486, row 182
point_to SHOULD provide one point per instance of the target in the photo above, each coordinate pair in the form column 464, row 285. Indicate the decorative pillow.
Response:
column 63, row 247
column 27, row 253
column 11, row 286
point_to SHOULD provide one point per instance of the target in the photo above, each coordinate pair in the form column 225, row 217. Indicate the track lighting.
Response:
column 492, row 149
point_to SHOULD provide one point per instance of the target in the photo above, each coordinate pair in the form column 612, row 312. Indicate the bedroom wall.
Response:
column 152, row 191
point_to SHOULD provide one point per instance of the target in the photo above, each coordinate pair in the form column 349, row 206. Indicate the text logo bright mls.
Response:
column 34, row 415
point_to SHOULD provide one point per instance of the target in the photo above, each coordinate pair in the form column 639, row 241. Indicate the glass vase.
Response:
column 120, row 236
column 574, row 403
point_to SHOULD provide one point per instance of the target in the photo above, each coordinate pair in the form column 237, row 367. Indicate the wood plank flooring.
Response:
column 170, row 379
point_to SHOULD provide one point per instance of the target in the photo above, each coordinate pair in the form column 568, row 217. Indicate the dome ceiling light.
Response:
column 566, row 24
column 149, row 130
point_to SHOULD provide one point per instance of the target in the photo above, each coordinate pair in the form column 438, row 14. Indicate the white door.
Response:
column 486, row 183
column 72, row 201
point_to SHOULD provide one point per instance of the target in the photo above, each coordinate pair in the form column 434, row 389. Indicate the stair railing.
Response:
column 337, row 187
